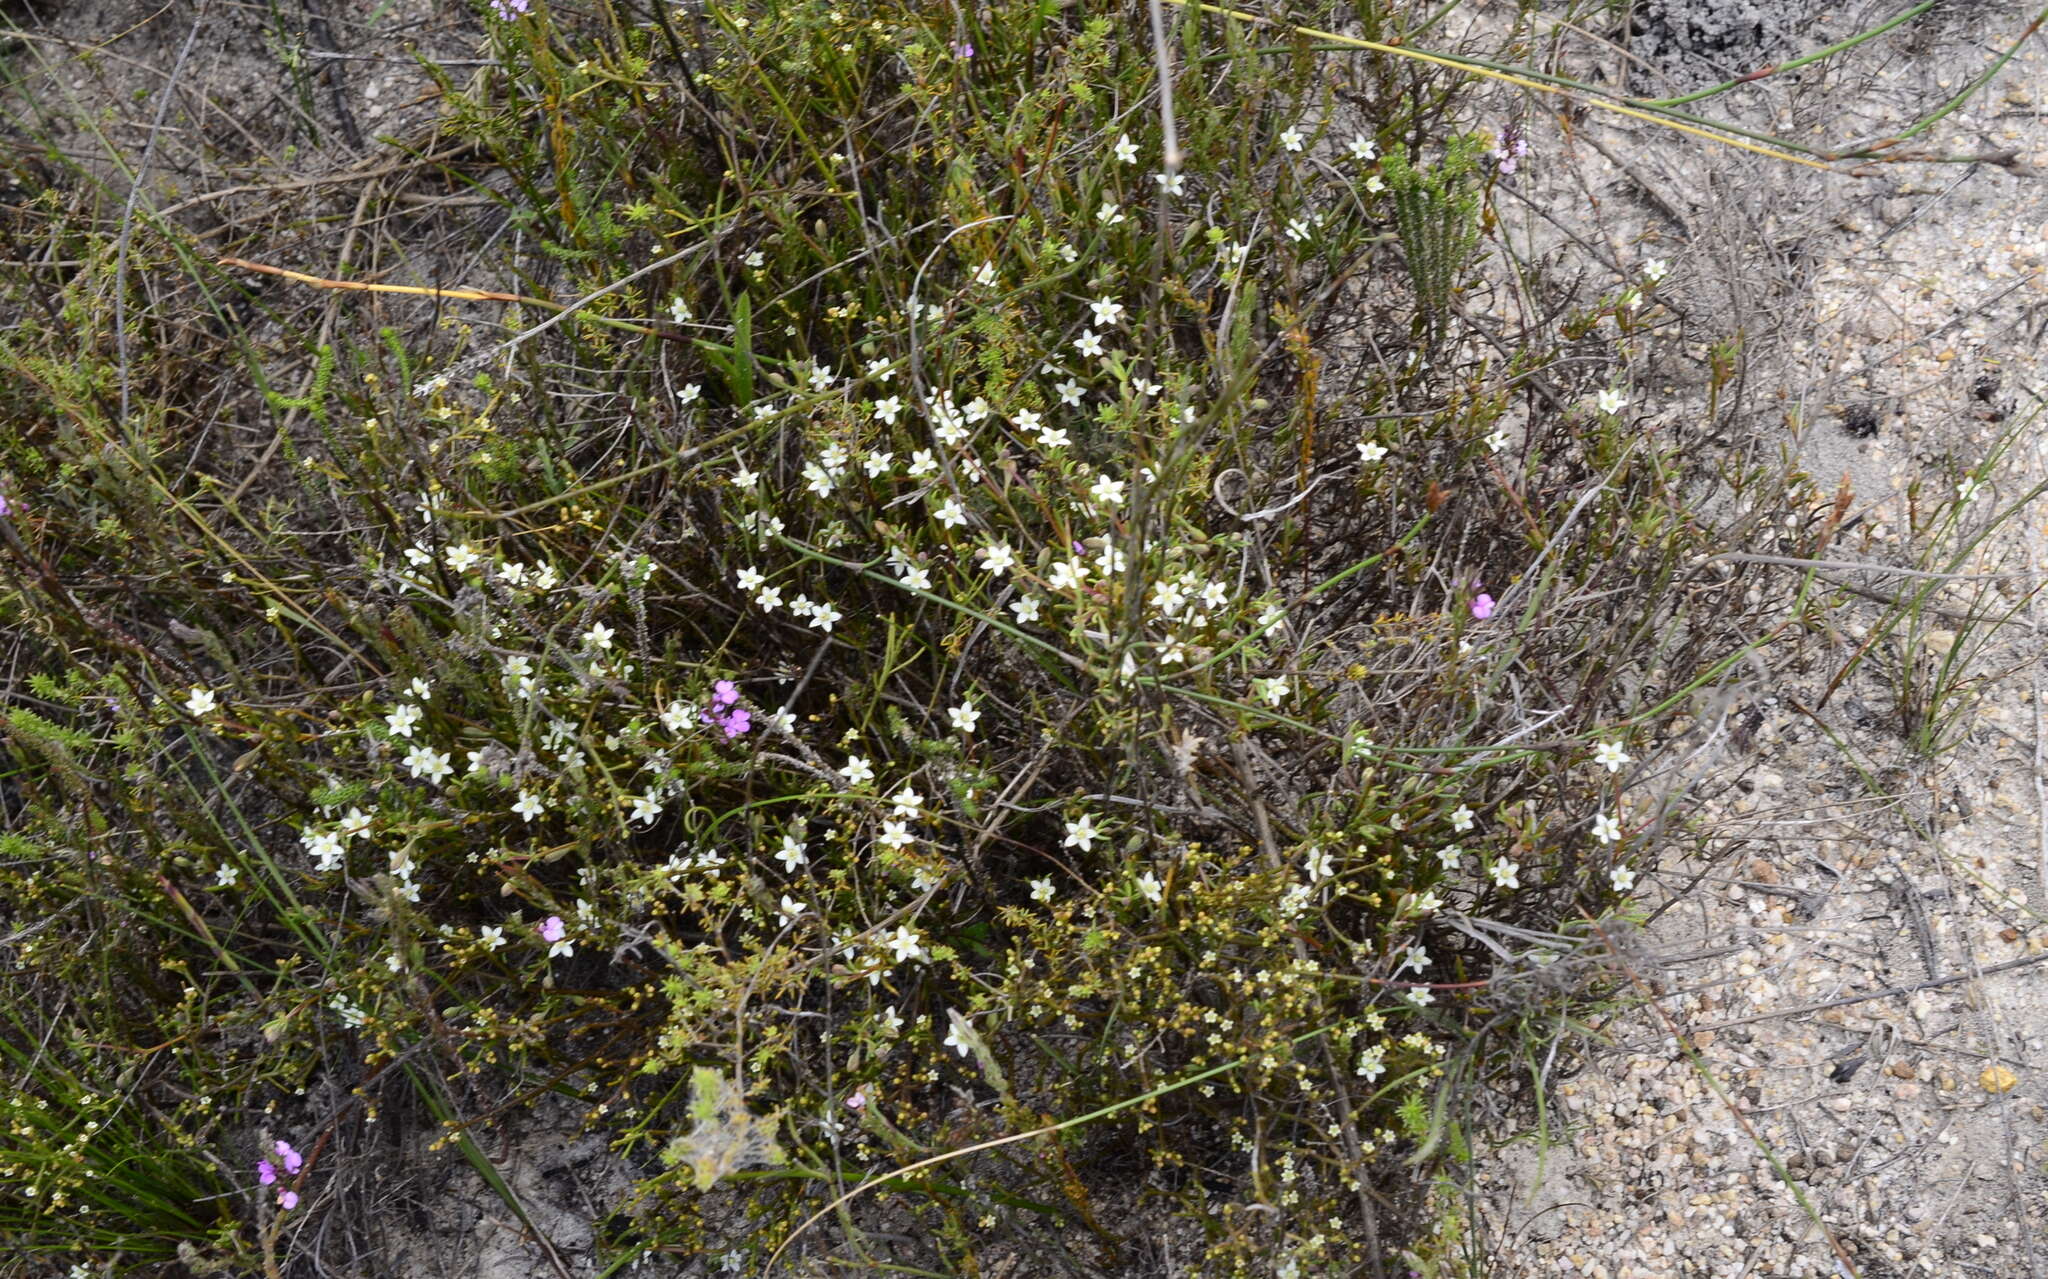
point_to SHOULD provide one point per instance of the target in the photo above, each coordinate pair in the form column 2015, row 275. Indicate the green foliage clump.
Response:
column 939, row 656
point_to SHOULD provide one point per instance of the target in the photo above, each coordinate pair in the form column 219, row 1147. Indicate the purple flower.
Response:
column 288, row 1199
column 962, row 50
column 5, row 509
column 291, row 1157
column 552, row 930
column 737, row 723
column 1482, row 606
column 265, row 1174
column 510, row 9
column 723, row 693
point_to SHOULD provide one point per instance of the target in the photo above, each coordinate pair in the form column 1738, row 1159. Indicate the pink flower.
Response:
column 510, row 9
column 962, row 49
column 723, row 693
column 288, row 1199
column 552, row 930
column 1482, row 606
column 737, row 723
column 265, row 1174
column 291, row 1157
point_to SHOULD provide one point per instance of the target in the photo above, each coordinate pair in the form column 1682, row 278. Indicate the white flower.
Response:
column 1967, row 490
column 226, row 876
column 1053, row 438
column 491, row 936
column 1089, row 344
column 892, row 1021
column 1372, row 1063
column 1081, row 834
column 424, row 761
column 1106, row 491
column 955, row 1042
column 917, row 578
column 1067, row 575
column 857, row 771
column 200, row 701
column 1461, row 819
column 1505, row 873
column 950, row 513
column 791, row 908
column 1448, row 855
column 1320, row 865
column 1622, row 877
column 1298, row 230
column 887, row 409
column 1363, row 148
column 1041, row 890
column 1109, row 214
column 1606, row 829
column 964, row 717
column 1107, row 311
column 904, row 944
column 420, row 689
column 922, row 463
column 646, row 808
column 1070, row 392
column 878, row 463
column 823, row 616
column 897, row 835
column 354, row 825
column 679, row 310
column 1172, row 183
column 1375, row 184
column 1370, row 451
column 461, row 558
column 1126, row 150
column 1153, row 890
column 1270, row 691
column 907, row 803
column 1168, row 596
column 1611, row 755
column 689, row 393
column 529, row 806
column 1656, row 269
column 1145, row 387
column 794, row 854
column 599, row 636
column 1025, row 607
column 1612, row 401
column 1291, row 139
column 998, row 558
column 1497, row 441
column 749, row 579
column 402, row 718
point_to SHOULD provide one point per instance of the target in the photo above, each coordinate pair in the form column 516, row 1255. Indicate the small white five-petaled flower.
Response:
column 1611, row 756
